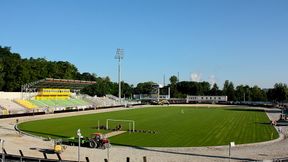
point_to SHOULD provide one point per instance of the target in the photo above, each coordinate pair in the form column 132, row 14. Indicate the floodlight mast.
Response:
column 119, row 55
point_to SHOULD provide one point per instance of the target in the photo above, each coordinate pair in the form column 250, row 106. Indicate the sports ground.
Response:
column 169, row 126
column 32, row 146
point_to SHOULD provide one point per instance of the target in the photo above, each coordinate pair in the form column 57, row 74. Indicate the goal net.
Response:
column 114, row 122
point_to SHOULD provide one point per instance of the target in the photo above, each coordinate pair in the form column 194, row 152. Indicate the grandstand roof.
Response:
column 57, row 83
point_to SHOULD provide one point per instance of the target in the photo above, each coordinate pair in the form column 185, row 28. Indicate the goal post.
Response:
column 119, row 120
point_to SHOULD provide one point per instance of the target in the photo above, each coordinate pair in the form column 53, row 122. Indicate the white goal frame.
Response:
column 120, row 120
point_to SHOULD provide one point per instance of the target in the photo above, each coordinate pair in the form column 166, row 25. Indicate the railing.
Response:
column 13, row 158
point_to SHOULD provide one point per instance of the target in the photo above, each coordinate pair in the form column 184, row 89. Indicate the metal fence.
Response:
column 4, row 157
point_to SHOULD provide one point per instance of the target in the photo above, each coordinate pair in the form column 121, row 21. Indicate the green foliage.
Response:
column 258, row 94
column 228, row 90
column 174, row 126
column 144, row 88
column 192, row 88
column 279, row 93
column 215, row 90
column 127, row 90
column 16, row 71
column 173, row 80
column 173, row 87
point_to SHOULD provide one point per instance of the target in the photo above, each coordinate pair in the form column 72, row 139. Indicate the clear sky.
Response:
column 244, row 41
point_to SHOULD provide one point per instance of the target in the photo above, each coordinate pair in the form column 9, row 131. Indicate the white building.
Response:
column 206, row 99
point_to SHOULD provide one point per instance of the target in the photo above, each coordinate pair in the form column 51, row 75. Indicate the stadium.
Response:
column 47, row 110
column 201, row 81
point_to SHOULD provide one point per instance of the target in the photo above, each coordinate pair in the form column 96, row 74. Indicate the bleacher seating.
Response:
column 59, row 103
column 105, row 101
column 10, row 107
column 39, row 103
column 53, row 94
column 53, row 98
column 44, row 103
column 26, row 104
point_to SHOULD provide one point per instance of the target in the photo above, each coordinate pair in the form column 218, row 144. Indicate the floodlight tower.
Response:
column 119, row 55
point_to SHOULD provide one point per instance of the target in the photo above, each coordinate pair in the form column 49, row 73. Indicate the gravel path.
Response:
column 32, row 146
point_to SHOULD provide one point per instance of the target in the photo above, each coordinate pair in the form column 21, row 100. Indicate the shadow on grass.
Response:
column 273, row 111
column 254, row 110
column 249, row 110
column 263, row 123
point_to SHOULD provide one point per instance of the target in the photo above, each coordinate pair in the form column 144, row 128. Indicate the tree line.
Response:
column 278, row 93
column 16, row 71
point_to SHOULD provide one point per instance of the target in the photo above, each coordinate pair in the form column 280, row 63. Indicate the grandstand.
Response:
column 53, row 93
column 10, row 107
column 48, row 95
column 104, row 101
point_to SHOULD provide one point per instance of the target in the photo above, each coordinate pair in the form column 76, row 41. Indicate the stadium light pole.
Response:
column 119, row 55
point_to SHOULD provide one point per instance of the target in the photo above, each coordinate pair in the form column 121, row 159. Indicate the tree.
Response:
column 144, row 88
column 173, row 80
column 101, row 88
column 173, row 86
column 127, row 89
column 215, row 90
column 11, row 61
column 257, row 94
column 270, row 95
column 204, row 88
column 239, row 93
column 228, row 90
column 280, row 92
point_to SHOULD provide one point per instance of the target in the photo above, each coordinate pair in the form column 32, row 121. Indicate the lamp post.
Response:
column 231, row 144
column 119, row 55
column 79, row 136
column 2, row 148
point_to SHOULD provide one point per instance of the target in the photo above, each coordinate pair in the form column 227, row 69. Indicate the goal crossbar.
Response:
column 119, row 120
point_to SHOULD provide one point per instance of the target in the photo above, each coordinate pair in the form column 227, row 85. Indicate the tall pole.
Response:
column 79, row 136
column 119, row 55
column 158, row 93
column 229, row 152
column 164, row 80
column 2, row 152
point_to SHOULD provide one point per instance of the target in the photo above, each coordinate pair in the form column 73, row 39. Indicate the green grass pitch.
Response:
column 174, row 126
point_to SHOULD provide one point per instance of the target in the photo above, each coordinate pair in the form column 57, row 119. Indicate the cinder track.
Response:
column 32, row 146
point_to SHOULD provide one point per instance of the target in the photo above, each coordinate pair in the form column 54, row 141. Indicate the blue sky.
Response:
column 244, row 41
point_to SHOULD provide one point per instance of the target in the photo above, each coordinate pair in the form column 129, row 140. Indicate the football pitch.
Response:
column 170, row 126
